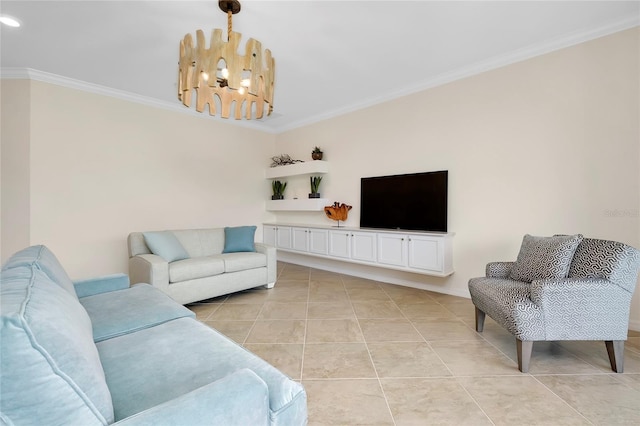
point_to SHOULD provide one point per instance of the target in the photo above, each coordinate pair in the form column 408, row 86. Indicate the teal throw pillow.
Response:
column 239, row 238
column 166, row 245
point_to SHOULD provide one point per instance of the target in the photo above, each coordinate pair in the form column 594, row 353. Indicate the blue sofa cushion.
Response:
column 241, row 398
column 167, row 372
column 46, row 261
column 125, row 311
column 51, row 370
column 194, row 268
column 234, row 262
column 166, row 245
column 545, row 257
column 239, row 239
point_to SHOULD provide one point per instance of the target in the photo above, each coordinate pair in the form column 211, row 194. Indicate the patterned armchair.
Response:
column 561, row 288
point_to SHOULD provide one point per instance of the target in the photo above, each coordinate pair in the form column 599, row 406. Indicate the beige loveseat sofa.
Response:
column 207, row 272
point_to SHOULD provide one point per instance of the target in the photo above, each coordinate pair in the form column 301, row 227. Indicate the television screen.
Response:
column 415, row 201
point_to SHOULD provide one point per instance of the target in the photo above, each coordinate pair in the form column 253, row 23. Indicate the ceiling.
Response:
column 332, row 57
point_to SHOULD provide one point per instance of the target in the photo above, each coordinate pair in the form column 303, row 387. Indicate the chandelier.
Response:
column 221, row 76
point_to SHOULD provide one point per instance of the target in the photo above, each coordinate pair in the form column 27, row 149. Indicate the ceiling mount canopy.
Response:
column 221, row 77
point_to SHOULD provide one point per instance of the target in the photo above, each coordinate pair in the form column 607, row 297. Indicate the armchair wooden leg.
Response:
column 479, row 320
column 524, row 349
column 615, row 350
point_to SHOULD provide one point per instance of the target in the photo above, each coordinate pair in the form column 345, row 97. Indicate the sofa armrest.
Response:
column 272, row 260
column 241, row 398
column 103, row 284
column 150, row 269
column 499, row 269
column 582, row 308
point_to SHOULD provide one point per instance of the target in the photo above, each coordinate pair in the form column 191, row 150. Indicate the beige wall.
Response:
column 548, row 145
column 15, row 99
column 101, row 168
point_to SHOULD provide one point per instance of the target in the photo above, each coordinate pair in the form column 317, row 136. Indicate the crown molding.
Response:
column 461, row 73
column 513, row 57
column 58, row 80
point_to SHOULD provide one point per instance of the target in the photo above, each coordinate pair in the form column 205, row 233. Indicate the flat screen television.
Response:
column 415, row 201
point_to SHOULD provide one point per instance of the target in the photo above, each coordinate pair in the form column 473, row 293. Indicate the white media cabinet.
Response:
column 428, row 253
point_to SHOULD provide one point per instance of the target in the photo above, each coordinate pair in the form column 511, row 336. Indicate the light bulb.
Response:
column 225, row 73
column 9, row 21
column 241, row 90
column 245, row 82
column 205, row 76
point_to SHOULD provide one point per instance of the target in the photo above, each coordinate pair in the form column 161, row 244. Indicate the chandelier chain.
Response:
column 229, row 24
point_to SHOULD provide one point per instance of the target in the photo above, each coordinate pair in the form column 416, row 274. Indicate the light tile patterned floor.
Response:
column 370, row 353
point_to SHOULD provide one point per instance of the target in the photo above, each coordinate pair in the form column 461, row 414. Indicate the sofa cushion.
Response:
column 51, row 370
column 509, row 303
column 201, row 242
column 239, row 239
column 45, row 260
column 234, row 262
column 172, row 351
column 545, row 257
column 199, row 267
column 165, row 245
column 125, row 311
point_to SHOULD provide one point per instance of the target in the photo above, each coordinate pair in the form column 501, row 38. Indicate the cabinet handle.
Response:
column 402, row 239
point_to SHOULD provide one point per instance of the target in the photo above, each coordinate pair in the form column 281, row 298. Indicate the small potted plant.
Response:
column 316, row 154
column 278, row 189
column 315, row 185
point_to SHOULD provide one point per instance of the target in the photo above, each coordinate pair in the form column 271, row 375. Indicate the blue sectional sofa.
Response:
column 100, row 352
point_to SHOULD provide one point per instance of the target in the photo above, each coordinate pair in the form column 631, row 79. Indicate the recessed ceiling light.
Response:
column 9, row 21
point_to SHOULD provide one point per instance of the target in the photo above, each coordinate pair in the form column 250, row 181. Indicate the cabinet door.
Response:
column 392, row 249
column 283, row 237
column 300, row 239
column 363, row 246
column 426, row 253
column 319, row 241
column 339, row 243
column 269, row 235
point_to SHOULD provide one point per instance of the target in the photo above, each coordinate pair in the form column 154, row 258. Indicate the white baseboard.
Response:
column 390, row 276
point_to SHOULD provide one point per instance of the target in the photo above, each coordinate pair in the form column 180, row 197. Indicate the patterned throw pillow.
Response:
column 545, row 257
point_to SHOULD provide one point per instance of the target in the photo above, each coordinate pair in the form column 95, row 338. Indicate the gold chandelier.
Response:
column 219, row 75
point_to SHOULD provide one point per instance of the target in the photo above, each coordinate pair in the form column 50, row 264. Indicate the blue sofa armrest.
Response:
column 102, row 284
column 241, row 398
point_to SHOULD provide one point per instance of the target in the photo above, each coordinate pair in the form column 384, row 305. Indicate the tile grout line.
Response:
column 561, row 399
column 306, row 325
column 366, row 345
column 420, row 334
column 453, row 376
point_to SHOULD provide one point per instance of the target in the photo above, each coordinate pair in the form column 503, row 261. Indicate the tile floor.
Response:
column 370, row 353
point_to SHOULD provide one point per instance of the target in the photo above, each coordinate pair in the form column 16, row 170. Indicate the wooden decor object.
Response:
column 338, row 211
column 246, row 80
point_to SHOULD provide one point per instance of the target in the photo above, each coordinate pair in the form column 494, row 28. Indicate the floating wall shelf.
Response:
column 303, row 204
column 296, row 169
